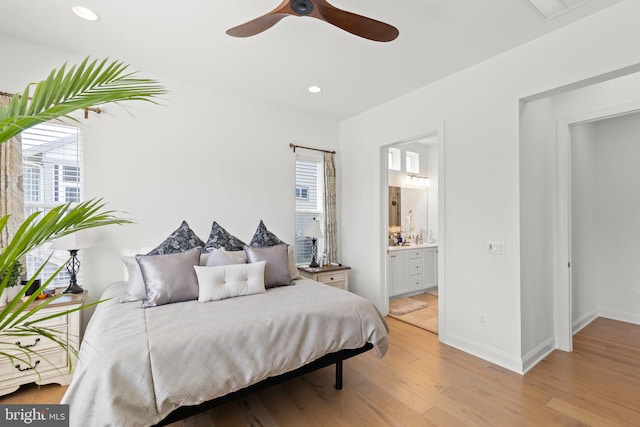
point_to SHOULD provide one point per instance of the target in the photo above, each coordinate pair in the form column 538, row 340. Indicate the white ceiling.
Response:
column 185, row 40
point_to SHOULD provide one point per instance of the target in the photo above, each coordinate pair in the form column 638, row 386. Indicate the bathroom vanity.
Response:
column 412, row 269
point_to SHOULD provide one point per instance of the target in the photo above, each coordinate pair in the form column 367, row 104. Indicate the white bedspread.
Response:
column 137, row 365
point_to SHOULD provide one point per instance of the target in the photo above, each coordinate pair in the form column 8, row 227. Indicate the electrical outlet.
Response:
column 482, row 319
column 638, row 295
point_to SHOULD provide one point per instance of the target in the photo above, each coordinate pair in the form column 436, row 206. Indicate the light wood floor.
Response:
column 424, row 383
column 425, row 318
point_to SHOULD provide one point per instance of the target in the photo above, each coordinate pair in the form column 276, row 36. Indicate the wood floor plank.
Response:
column 422, row 382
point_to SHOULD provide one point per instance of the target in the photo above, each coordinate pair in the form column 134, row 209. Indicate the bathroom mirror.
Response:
column 395, row 207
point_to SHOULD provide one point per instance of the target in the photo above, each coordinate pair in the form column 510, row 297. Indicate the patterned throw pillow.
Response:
column 220, row 238
column 182, row 239
column 264, row 238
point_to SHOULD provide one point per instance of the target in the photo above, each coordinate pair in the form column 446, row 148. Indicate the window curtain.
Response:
column 330, row 225
column 11, row 192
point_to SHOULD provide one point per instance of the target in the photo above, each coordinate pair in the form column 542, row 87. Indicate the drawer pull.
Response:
column 28, row 367
column 28, row 345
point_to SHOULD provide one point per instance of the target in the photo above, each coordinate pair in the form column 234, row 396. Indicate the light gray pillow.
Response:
column 276, row 272
column 135, row 282
column 170, row 277
column 228, row 281
column 220, row 256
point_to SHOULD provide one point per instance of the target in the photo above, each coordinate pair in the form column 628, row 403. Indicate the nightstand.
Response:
column 332, row 275
column 49, row 363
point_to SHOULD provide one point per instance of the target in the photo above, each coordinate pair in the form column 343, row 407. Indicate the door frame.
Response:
column 437, row 130
column 562, row 285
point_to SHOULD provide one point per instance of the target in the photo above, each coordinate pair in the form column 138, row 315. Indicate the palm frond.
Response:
column 64, row 91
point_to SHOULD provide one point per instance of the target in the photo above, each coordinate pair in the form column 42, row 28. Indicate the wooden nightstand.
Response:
column 49, row 362
column 337, row 276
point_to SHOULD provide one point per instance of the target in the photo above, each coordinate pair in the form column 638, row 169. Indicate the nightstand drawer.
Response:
column 331, row 278
column 37, row 343
column 38, row 362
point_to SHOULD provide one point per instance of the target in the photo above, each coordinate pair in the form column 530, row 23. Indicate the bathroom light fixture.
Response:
column 85, row 13
column 315, row 89
column 416, row 181
column 313, row 230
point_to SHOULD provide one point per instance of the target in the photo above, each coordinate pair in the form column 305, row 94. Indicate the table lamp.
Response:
column 313, row 230
column 73, row 243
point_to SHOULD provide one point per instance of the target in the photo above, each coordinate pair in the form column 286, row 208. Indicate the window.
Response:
column 309, row 179
column 302, row 193
column 394, row 159
column 413, row 162
column 52, row 176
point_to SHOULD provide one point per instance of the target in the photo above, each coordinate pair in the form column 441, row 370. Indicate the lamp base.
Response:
column 314, row 263
column 73, row 288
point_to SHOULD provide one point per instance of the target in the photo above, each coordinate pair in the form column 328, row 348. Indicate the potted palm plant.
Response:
column 87, row 85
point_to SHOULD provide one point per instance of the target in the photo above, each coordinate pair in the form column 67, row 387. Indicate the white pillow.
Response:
column 227, row 281
column 135, row 281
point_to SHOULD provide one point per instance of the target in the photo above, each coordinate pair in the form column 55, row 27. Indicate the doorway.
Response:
column 577, row 291
column 412, row 172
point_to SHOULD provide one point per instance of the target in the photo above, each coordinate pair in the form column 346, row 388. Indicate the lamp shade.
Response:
column 78, row 240
column 313, row 229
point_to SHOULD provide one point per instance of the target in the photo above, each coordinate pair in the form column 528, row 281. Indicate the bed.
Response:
column 142, row 367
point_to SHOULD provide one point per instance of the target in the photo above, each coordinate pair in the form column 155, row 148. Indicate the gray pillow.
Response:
column 182, row 239
column 263, row 237
column 135, row 282
column 221, row 238
column 169, row 278
column 276, row 272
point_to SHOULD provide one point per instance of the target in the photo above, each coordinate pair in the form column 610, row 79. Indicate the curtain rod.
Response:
column 309, row 148
column 96, row 110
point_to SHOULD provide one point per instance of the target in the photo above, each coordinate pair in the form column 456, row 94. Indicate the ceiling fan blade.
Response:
column 355, row 24
column 256, row 26
column 261, row 23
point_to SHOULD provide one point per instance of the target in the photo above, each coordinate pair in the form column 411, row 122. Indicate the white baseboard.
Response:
column 536, row 355
column 617, row 315
column 490, row 354
column 579, row 324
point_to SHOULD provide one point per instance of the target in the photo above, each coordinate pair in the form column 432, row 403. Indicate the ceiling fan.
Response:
column 320, row 9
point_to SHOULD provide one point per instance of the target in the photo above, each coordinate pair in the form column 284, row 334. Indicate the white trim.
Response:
column 536, row 355
column 563, row 325
column 581, row 323
column 617, row 315
column 485, row 352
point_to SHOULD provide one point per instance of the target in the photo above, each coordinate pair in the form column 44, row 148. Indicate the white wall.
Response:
column 480, row 108
column 537, row 186
column 586, row 228
column 616, row 228
column 200, row 156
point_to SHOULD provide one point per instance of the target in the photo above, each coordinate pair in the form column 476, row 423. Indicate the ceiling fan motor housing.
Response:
column 302, row 7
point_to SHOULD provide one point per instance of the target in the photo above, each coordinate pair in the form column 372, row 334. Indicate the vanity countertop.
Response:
column 412, row 246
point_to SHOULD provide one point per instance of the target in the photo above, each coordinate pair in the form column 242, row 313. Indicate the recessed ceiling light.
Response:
column 85, row 13
column 315, row 89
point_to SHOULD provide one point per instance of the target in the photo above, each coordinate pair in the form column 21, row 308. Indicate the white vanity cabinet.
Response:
column 398, row 267
column 412, row 269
